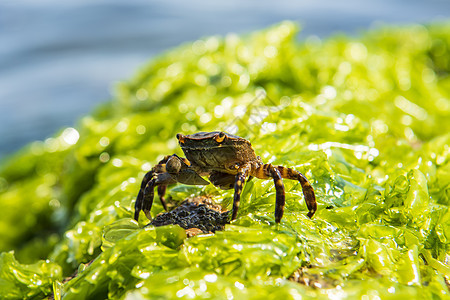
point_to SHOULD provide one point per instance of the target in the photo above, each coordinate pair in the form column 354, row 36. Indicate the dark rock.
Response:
column 195, row 213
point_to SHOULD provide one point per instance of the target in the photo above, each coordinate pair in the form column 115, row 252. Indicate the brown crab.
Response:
column 228, row 160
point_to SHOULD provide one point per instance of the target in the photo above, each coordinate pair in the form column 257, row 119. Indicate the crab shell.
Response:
column 218, row 151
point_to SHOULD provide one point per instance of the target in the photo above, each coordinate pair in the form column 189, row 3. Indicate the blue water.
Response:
column 59, row 59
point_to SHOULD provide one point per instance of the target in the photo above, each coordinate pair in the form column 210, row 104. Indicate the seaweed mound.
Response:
column 365, row 119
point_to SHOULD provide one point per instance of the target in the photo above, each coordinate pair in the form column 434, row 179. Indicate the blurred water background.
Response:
column 60, row 59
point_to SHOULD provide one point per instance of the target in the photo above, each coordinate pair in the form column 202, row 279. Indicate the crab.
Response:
column 228, row 160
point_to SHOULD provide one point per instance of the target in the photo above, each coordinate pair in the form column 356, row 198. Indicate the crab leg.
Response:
column 146, row 200
column 161, row 193
column 140, row 197
column 280, row 196
column 238, row 185
column 269, row 171
column 159, row 168
column 308, row 192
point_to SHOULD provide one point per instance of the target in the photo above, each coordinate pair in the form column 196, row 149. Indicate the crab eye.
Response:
column 220, row 137
column 180, row 138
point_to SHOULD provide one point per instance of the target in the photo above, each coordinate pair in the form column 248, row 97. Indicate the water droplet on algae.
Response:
column 210, row 277
column 269, row 127
column 329, row 92
column 70, row 136
column 122, row 125
column 142, row 94
column 270, row 51
column 141, row 129
column 52, row 145
column 183, row 108
column 243, row 82
column 146, row 167
column 356, row 51
column 104, row 157
column 200, row 110
column 104, row 141
column 205, row 118
column 226, row 81
column 201, row 80
column 54, row 203
column 218, row 111
column 117, row 162
column 199, row 47
column 186, row 291
column 239, row 285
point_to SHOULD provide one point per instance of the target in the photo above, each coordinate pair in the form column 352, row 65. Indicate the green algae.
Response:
column 366, row 120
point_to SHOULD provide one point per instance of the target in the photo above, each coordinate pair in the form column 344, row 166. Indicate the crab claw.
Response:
column 174, row 165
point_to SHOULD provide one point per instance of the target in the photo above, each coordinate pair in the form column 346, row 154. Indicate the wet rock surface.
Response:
column 196, row 215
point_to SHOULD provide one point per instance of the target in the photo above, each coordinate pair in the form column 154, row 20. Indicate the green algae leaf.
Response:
column 443, row 228
column 192, row 283
column 120, row 266
column 245, row 252
column 19, row 281
column 117, row 231
column 408, row 267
